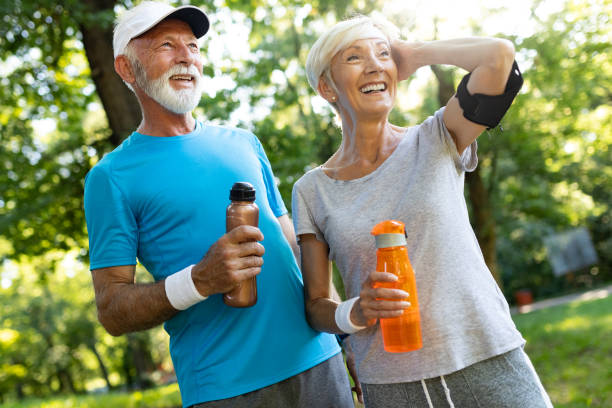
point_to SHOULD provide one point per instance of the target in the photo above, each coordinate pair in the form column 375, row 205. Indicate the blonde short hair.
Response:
column 340, row 37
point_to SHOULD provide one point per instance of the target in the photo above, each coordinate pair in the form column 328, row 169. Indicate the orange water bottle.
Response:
column 402, row 333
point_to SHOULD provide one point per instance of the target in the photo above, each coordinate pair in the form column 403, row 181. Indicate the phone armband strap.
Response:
column 488, row 110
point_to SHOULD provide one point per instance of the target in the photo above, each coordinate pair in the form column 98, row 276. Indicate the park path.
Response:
column 598, row 293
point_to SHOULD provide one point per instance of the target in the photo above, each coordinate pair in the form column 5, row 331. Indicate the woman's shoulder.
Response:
column 310, row 176
column 308, row 180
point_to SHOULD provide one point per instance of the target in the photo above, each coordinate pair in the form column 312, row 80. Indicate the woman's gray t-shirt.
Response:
column 464, row 316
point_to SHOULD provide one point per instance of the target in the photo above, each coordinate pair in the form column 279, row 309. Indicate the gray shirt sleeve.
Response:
column 303, row 219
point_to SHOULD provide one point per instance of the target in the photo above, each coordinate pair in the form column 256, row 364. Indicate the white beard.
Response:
column 179, row 102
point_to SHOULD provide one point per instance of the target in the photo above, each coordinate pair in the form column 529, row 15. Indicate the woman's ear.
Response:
column 123, row 68
column 326, row 91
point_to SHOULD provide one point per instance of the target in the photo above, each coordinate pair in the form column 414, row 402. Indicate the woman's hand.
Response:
column 404, row 55
column 377, row 302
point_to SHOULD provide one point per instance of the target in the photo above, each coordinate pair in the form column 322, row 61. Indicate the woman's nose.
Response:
column 374, row 64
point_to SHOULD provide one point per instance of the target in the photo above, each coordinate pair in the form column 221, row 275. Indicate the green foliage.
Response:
column 47, row 78
column 294, row 136
column 550, row 169
column 569, row 346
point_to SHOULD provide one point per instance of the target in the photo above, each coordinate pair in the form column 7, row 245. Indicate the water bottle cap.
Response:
column 388, row 227
column 242, row 191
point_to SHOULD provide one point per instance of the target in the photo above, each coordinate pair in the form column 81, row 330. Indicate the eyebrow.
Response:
column 359, row 47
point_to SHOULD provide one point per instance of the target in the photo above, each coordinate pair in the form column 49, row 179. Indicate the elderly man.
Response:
column 161, row 197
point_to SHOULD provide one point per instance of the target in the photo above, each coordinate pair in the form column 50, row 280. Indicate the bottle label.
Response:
column 390, row 240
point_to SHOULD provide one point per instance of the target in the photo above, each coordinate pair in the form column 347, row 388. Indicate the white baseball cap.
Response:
column 146, row 15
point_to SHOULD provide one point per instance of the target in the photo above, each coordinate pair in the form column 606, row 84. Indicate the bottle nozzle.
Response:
column 388, row 227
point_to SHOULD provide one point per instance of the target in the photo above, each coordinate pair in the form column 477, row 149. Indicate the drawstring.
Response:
column 426, row 394
column 446, row 392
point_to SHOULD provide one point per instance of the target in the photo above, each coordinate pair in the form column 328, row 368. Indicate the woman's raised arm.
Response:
column 489, row 60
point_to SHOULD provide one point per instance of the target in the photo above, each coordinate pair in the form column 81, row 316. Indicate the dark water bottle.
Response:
column 242, row 211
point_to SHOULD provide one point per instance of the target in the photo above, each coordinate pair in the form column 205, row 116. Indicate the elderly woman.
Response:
column 472, row 353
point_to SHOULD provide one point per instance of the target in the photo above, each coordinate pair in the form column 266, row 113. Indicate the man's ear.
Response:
column 123, row 68
column 326, row 91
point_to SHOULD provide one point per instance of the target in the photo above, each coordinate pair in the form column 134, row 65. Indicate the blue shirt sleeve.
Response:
column 274, row 197
column 111, row 225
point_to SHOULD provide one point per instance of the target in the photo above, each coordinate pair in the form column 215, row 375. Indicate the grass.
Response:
column 571, row 348
column 162, row 397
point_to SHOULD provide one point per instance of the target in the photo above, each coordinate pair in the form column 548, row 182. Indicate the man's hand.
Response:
column 236, row 256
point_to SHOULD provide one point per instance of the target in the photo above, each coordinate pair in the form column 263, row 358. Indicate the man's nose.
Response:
column 185, row 55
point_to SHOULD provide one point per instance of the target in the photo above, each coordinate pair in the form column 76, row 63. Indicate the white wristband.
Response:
column 181, row 290
column 343, row 316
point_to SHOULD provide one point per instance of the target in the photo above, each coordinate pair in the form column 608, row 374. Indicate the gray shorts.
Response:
column 323, row 386
column 504, row 381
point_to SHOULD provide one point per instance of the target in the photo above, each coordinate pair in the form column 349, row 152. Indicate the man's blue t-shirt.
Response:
column 162, row 200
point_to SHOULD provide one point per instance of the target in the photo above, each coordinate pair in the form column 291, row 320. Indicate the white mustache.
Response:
column 183, row 70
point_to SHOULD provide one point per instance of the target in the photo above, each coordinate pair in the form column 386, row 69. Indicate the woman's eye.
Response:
column 385, row 53
column 352, row 58
column 166, row 44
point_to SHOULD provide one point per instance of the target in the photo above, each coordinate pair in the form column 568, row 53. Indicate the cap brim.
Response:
column 194, row 16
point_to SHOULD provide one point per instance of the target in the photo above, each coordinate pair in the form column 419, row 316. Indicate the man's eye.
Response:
column 166, row 44
column 385, row 53
column 194, row 46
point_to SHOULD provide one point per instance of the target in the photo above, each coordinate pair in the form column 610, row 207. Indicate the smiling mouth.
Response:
column 374, row 88
column 188, row 78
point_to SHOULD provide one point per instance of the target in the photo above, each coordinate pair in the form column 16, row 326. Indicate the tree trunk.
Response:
column 120, row 104
column 483, row 221
column 103, row 369
column 66, row 382
column 482, row 211
column 127, row 369
column 139, row 353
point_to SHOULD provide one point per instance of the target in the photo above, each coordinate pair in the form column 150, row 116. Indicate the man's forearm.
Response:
column 128, row 307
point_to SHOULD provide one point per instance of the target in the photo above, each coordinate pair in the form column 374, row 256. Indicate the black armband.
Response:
column 488, row 110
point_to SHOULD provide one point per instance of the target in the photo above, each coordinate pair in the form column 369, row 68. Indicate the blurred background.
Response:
column 540, row 200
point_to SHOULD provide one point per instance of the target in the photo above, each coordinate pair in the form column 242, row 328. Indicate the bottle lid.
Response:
column 389, row 233
column 242, row 191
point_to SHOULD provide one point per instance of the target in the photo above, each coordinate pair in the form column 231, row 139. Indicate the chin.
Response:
column 379, row 109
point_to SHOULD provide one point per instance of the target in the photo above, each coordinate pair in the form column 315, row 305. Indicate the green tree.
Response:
column 551, row 165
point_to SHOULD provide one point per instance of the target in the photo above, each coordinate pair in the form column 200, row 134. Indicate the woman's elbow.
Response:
column 316, row 313
column 503, row 55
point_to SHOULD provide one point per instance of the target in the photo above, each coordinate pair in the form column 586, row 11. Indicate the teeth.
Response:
column 373, row 87
column 187, row 78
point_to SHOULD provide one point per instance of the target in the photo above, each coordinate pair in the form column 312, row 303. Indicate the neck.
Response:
column 366, row 140
column 159, row 121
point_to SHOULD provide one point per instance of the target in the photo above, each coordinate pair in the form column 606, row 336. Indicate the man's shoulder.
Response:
column 226, row 130
column 105, row 164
